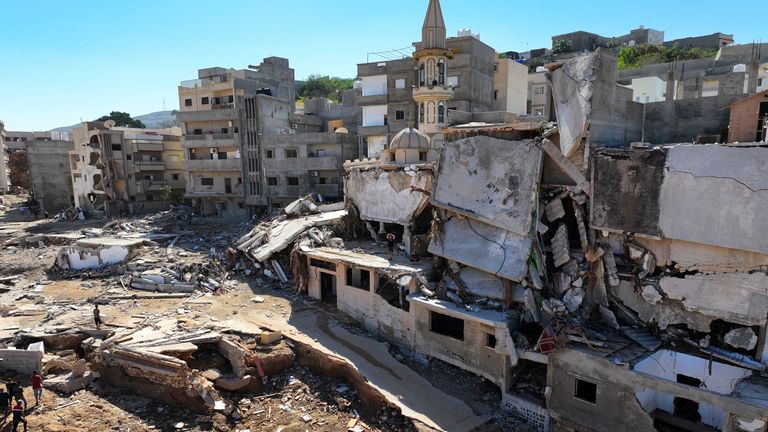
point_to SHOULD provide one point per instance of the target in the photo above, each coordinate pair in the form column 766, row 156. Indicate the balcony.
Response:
column 210, row 140
column 156, row 147
column 221, row 114
column 221, row 106
column 142, row 165
column 372, row 100
column 213, row 165
column 372, row 130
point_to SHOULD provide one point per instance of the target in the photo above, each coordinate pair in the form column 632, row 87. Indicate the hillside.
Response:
column 155, row 120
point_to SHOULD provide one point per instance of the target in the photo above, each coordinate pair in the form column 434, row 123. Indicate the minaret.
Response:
column 431, row 92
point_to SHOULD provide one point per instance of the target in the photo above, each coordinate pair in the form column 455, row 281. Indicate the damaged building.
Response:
column 600, row 286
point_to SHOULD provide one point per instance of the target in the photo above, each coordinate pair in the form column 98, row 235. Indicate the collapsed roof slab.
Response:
column 723, row 190
column 482, row 246
column 389, row 195
column 474, row 180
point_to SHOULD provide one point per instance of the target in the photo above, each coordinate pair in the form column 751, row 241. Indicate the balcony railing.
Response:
column 213, row 165
column 222, row 106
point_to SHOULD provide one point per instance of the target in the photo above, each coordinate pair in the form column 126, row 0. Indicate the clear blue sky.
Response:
column 67, row 60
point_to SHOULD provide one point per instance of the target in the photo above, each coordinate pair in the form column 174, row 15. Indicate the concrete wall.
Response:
column 50, row 173
column 21, row 361
column 510, row 84
column 386, row 195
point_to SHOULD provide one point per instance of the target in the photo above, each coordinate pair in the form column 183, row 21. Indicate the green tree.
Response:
column 561, row 46
column 122, row 119
column 323, row 86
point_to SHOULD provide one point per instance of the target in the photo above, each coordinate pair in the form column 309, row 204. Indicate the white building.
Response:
column 648, row 89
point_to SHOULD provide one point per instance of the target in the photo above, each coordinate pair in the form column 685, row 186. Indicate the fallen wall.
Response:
column 21, row 361
column 392, row 196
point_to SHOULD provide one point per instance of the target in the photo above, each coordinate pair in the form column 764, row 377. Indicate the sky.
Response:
column 67, row 61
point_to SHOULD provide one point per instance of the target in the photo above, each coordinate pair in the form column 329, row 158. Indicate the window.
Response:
column 239, row 180
column 495, row 67
column 710, row 88
column 759, row 82
column 421, row 112
column 322, row 180
column 585, row 391
column 292, row 181
column 117, row 147
column 187, row 102
column 173, row 158
column 129, row 157
column 231, row 98
column 148, row 177
column 495, row 94
column 453, row 81
column 359, row 278
column 271, row 181
column 174, row 176
column 198, row 132
column 400, row 83
column 224, row 130
column 441, row 72
column 422, row 76
column 204, row 100
column 399, row 115
column 322, row 264
column 490, row 340
column 241, row 206
column 441, row 113
column 422, row 156
column 270, row 154
column 540, row 112
column 538, row 90
column 206, row 181
column 446, row 325
column 150, row 197
column 291, row 153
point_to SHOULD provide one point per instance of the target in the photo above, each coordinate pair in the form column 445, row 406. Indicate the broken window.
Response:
column 490, row 340
column 446, row 325
column 206, row 181
column 322, row 264
column 585, row 390
column 271, row 181
column 359, row 278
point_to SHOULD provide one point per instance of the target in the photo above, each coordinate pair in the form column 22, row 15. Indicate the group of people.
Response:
column 12, row 400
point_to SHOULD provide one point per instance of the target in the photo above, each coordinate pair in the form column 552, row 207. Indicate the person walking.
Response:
column 37, row 387
column 390, row 246
column 97, row 317
column 19, row 416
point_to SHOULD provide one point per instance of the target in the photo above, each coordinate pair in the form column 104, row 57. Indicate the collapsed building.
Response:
column 600, row 285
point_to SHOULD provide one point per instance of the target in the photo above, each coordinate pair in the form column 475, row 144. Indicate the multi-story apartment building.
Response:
column 119, row 170
column 5, row 181
column 211, row 136
column 539, row 95
column 47, row 169
column 288, row 155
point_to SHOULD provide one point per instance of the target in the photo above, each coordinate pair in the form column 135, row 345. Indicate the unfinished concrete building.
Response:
column 119, row 170
column 47, row 167
column 749, row 119
column 211, row 138
column 288, row 155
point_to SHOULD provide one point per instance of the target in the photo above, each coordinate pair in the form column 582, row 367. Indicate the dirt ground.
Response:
column 294, row 400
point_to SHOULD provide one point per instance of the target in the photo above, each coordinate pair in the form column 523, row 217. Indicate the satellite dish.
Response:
column 109, row 124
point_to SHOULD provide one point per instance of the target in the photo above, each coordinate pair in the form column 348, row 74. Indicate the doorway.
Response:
column 761, row 121
column 327, row 288
column 686, row 408
column 228, row 185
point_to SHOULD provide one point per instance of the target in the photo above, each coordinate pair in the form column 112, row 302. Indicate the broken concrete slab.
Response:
column 482, row 246
column 392, row 195
column 572, row 90
column 472, row 180
column 69, row 383
column 96, row 253
column 742, row 338
column 484, row 284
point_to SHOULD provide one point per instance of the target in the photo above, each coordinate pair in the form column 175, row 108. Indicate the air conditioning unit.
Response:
column 314, row 173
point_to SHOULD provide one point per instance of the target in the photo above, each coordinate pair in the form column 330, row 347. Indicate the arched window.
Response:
column 441, row 113
column 441, row 72
column 431, row 112
column 422, row 77
column 421, row 112
column 430, row 71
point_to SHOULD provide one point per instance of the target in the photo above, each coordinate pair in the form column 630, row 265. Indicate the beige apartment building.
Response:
column 5, row 181
column 118, row 170
column 211, row 138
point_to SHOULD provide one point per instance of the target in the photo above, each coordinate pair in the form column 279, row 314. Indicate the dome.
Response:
column 410, row 138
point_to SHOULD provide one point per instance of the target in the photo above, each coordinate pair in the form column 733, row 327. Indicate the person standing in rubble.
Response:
column 5, row 404
column 97, row 317
column 19, row 416
column 390, row 246
column 37, row 387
